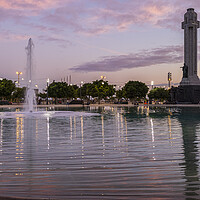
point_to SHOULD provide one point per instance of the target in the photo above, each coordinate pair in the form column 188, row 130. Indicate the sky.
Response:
column 120, row 39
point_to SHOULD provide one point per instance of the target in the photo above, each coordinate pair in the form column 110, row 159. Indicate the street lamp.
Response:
column 80, row 88
column 103, row 77
column 18, row 73
column 47, row 90
column 169, row 79
column 152, row 83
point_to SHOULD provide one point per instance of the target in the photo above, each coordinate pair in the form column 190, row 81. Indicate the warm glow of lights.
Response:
column 48, row 138
column 82, row 138
column 170, row 124
column 153, row 138
column 103, row 77
column 71, row 128
column 18, row 73
column 103, row 142
column 1, row 136
column 74, row 126
column 126, row 129
column 19, row 138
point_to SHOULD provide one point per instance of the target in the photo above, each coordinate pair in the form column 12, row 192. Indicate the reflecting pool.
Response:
column 113, row 153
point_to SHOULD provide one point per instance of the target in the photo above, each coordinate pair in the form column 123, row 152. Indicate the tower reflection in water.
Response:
column 190, row 127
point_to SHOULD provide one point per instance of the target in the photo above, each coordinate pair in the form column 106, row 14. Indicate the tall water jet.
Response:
column 30, row 93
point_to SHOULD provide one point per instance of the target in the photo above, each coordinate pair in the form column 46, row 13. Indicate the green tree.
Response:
column 135, row 89
column 57, row 90
column 72, row 91
column 7, row 87
column 19, row 93
column 120, row 94
column 101, row 89
column 61, row 90
column 85, row 90
column 42, row 95
column 159, row 94
column 93, row 90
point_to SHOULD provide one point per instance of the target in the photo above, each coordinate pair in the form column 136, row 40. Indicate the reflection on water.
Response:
column 123, row 153
column 48, row 132
column 190, row 128
column 19, row 139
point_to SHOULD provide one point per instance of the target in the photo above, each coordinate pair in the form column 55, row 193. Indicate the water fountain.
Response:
column 30, row 99
column 30, row 93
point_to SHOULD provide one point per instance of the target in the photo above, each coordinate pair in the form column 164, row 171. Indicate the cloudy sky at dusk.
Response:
column 120, row 39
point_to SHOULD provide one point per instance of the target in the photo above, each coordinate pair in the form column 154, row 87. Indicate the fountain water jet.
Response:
column 30, row 93
column 30, row 99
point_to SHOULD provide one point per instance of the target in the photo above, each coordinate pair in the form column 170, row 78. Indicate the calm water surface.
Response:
column 121, row 153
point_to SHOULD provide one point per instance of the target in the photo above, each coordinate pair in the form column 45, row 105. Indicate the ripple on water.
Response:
column 83, row 155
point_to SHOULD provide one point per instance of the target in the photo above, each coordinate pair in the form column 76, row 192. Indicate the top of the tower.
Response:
column 190, row 9
column 190, row 19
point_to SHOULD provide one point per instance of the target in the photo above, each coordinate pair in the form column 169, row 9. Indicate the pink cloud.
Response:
column 62, row 42
column 90, row 20
column 93, row 17
column 9, row 35
column 28, row 4
column 111, row 15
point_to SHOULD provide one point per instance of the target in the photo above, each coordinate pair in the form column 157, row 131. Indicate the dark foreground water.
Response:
column 123, row 153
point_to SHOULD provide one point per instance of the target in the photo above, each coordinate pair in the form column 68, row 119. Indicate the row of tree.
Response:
column 133, row 90
column 99, row 89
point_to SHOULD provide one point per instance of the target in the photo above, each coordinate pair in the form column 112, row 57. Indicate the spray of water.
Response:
column 30, row 93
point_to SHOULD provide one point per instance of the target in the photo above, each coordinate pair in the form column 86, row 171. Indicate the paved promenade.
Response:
column 102, row 105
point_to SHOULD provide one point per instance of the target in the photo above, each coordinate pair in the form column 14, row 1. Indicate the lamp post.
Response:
column 80, row 88
column 47, row 90
column 152, row 84
column 18, row 73
column 103, row 77
column 169, row 79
